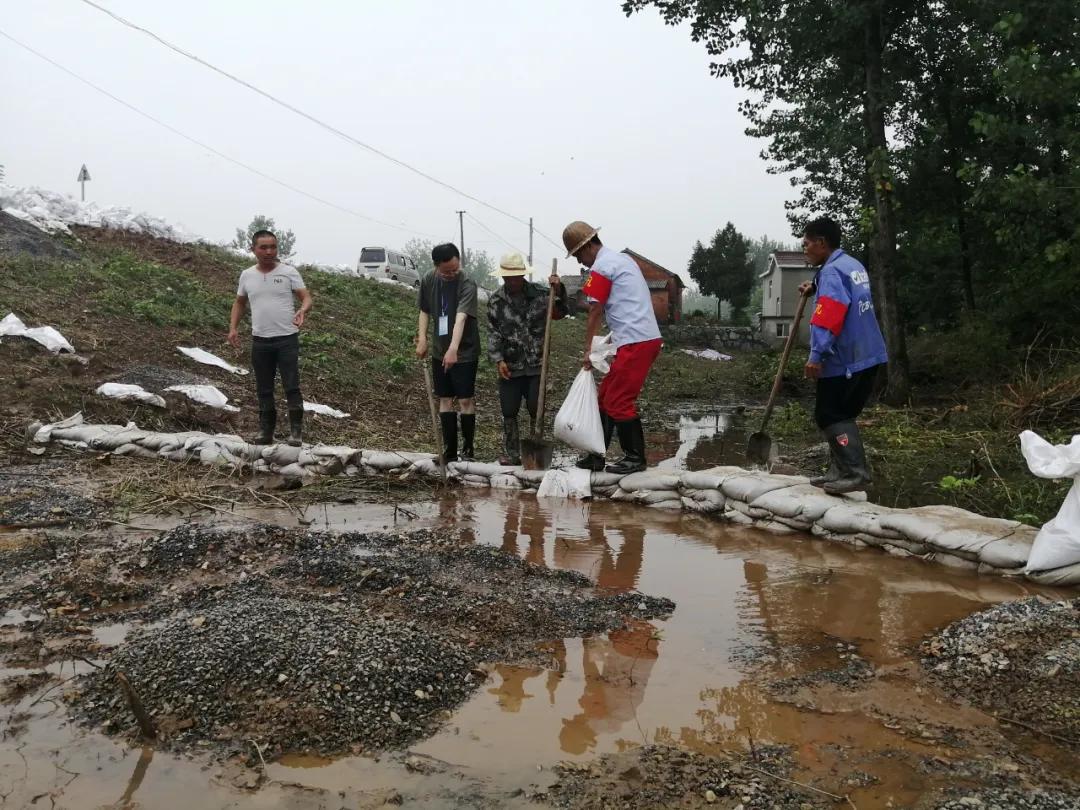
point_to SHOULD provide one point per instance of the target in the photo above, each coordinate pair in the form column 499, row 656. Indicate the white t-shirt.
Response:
column 615, row 280
column 270, row 296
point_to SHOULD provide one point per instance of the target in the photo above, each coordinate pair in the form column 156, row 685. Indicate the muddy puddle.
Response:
column 774, row 641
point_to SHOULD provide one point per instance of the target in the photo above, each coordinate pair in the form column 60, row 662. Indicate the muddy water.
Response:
column 742, row 596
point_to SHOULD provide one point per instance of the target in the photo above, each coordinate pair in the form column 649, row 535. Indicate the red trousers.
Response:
column 619, row 390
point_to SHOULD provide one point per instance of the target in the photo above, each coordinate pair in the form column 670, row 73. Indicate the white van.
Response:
column 379, row 262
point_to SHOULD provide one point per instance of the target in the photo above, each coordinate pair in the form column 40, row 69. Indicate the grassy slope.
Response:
column 132, row 299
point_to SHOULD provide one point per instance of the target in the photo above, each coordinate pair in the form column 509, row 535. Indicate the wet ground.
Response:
column 788, row 675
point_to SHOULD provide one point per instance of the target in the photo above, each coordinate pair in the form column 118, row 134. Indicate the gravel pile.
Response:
column 1009, row 799
column 1018, row 659
column 157, row 378
column 658, row 776
column 28, row 496
column 290, row 674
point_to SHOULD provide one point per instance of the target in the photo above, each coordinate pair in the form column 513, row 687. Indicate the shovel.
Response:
column 436, row 425
column 759, row 449
column 535, row 452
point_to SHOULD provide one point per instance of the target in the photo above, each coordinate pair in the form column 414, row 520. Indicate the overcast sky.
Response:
column 557, row 110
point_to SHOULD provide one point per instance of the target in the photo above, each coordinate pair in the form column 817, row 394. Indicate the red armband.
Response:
column 598, row 287
column 829, row 314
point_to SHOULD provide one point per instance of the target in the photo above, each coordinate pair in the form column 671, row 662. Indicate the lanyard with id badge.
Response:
column 444, row 318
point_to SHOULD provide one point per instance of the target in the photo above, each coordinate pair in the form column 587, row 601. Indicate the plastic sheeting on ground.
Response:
column 132, row 392
column 47, row 336
column 777, row 503
column 207, row 395
column 708, row 354
column 324, row 410
column 210, row 359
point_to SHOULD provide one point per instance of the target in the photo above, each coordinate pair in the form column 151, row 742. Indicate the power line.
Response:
column 318, row 122
column 205, row 146
column 493, row 233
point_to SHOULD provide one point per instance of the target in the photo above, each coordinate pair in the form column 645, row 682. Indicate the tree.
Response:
column 478, row 264
column 825, row 80
column 286, row 239
column 724, row 269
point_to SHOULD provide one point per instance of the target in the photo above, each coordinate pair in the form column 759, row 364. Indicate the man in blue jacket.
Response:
column 846, row 349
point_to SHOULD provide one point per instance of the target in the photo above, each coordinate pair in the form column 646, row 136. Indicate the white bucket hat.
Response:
column 513, row 264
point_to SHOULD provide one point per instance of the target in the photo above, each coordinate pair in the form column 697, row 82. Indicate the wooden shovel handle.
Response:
column 783, row 360
column 544, row 362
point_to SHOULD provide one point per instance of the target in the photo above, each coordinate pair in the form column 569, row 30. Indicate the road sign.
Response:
column 84, row 175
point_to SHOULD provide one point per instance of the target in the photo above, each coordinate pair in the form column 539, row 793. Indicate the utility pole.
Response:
column 530, row 241
column 461, row 226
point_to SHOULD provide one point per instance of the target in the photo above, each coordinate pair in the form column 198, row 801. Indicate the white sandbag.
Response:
column 1064, row 576
column 702, row 480
column 324, row 410
column 733, row 516
column 649, row 479
column 851, row 518
column 531, row 478
column 704, row 501
column 794, row 523
column 604, row 492
column 673, row 503
column 602, row 478
column 209, row 359
column 130, row 392
column 578, row 421
column 384, row 461
column 602, row 353
column 47, row 336
column 207, row 395
column 296, row 471
column 504, row 481
column 135, row 451
column 844, row 538
column 565, row 483
column 1057, row 544
column 43, row 435
column 280, row 454
column 476, row 480
column 751, row 485
column 746, row 509
column 344, row 454
column 774, row 527
column 481, row 468
column 803, row 502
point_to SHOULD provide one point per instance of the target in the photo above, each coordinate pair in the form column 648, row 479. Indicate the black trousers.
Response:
column 512, row 391
column 840, row 399
column 270, row 356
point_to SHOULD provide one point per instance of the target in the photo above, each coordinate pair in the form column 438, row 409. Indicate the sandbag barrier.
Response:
column 782, row 504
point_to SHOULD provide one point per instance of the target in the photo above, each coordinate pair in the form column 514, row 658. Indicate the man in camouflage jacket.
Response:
column 517, row 317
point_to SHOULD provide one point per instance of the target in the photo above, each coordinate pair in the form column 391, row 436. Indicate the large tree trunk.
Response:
column 883, row 241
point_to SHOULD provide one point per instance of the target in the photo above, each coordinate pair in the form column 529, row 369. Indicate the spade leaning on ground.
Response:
column 270, row 287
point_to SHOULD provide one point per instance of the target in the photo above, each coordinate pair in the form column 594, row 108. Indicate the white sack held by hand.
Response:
column 602, row 353
column 1058, row 541
column 578, row 421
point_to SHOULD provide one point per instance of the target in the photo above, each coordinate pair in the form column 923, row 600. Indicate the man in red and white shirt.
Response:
column 617, row 291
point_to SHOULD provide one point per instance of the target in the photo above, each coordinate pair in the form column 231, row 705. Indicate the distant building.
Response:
column 787, row 269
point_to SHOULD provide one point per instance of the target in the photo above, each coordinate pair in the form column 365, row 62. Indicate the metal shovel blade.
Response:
column 536, row 454
column 759, row 449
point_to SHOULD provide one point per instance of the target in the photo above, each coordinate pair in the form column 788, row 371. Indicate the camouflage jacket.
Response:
column 516, row 327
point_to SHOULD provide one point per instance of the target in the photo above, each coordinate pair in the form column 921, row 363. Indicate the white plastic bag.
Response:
column 205, row 395
column 578, row 421
column 1058, row 541
column 135, row 392
column 602, row 352
column 203, row 356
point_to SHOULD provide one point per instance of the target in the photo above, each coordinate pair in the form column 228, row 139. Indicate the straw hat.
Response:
column 513, row 264
column 576, row 235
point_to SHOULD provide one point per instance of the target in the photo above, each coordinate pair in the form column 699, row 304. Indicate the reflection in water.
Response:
column 707, row 431
column 146, row 756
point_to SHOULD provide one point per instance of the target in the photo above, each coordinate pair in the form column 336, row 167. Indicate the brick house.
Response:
column 665, row 289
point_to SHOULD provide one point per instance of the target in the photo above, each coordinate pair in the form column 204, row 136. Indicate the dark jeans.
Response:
column 512, row 391
column 840, row 399
column 277, row 354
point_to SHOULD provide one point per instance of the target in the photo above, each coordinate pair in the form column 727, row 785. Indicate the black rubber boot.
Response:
column 468, row 433
column 632, row 439
column 448, row 419
column 267, row 422
column 511, row 456
column 851, row 457
column 595, row 461
column 296, row 427
column 834, row 472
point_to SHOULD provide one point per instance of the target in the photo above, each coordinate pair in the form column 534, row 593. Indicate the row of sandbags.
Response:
column 777, row 503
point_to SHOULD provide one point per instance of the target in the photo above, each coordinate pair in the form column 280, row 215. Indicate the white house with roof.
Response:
column 787, row 269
